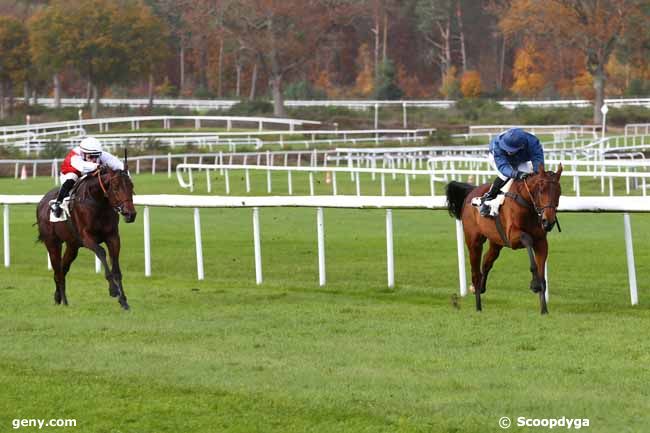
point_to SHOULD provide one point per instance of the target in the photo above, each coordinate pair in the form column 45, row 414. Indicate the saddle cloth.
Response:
column 66, row 211
column 496, row 203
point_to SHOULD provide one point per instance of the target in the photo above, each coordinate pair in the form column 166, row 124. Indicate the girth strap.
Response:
column 502, row 232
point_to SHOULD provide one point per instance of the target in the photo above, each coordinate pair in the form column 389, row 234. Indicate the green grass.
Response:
column 226, row 355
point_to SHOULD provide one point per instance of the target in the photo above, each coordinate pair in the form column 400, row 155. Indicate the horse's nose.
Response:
column 130, row 217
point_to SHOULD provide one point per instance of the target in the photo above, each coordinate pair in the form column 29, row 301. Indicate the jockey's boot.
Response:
column 63, row 193
column 491, row 195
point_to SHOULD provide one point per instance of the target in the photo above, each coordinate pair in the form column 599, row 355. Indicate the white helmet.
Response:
column 91, row 146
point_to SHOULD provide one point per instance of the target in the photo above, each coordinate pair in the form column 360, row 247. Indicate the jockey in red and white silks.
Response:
column 81, row 160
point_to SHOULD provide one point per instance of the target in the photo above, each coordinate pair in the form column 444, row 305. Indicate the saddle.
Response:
column 496, row 203
column 65, row 206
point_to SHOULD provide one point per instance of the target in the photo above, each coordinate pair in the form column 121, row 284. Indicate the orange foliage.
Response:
column 450, row 87
column 410, row 84
column 470, row 84
column 583, row 85
column 364, row 84
column 528, row 71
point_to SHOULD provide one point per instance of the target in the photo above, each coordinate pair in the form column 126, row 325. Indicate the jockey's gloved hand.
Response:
column 521, row 175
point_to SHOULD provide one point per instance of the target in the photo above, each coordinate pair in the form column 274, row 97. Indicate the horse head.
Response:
column 545, row 191
column 118, row 189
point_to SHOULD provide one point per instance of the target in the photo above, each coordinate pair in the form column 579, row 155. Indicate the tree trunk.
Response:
column 26, row 93
column 2, row 100
column 599, row 87
column 181, row 86
column 376, row 31
column 57, row 91
column 278, row 97
column 238, row 84
column 253, row 93
column 463, row 53
column 220, row 86
column 385, row 44
column 10, row 91
column 95, row 107
column 89, row 90
column 502, row 63
column 150, row 90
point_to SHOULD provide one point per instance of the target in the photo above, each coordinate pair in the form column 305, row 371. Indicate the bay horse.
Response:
column 525, row 217
column 95, row 204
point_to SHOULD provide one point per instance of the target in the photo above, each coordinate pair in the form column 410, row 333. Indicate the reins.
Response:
column 540, row 210
column 101, row 182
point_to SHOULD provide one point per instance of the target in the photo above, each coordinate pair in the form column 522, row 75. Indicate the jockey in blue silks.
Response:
column 514, row 154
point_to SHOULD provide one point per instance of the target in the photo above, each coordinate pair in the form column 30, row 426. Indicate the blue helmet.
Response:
column 513, row 140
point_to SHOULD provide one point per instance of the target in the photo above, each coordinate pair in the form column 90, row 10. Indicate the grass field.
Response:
column 226, row 355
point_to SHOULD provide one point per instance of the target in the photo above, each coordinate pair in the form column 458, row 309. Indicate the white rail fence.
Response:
column 13, row 132
column 623, row 205
column 353, row 104
column 440, row 170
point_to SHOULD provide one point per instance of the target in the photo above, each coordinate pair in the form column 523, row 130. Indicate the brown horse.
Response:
column 527, row 214
column 95, row 203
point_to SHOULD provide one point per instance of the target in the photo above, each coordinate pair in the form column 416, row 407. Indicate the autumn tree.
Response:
column 283, row 35
column 13, row 57
column 45, row 29
column 435, row 25
column 106, row 42
column 592, row 27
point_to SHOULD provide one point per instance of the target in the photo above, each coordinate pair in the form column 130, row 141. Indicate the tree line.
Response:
column 385, row 49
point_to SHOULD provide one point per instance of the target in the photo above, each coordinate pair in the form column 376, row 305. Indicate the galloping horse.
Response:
column 527, row 214
column 95, row 203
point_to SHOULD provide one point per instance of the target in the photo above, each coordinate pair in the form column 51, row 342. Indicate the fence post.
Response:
column 257, row 245
column 199, row 244
column 631, row 272
column 390, row 262
column 5, row 224
column 320, row 228
column 460, row 244
column 147, row 243
column 169, row 165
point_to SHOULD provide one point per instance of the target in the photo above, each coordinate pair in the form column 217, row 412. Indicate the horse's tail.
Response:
column 456, row 194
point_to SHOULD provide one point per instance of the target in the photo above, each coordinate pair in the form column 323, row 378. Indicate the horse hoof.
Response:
column 124, row 305
column 535, row 286
column 113, row 292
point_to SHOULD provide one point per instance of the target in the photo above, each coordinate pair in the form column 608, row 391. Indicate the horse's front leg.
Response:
column 91, row 244
column 115, row 284
column 541, row 253
column 527, row 241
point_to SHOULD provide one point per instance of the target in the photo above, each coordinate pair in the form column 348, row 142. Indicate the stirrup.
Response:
column 56, row 208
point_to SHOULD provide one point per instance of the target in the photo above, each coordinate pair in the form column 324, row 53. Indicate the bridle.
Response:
column 120, row 206
column 539, row 210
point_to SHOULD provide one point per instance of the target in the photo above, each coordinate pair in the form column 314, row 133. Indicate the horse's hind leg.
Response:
column 491, row 255
column 54, row 250
column 70, row 255
column 475, row 247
